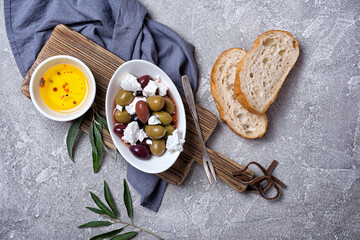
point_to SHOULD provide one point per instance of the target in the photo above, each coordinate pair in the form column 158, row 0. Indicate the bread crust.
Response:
column 240, row 96
column 218, row 102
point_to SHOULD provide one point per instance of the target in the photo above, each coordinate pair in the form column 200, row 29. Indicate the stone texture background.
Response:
column 314, row 133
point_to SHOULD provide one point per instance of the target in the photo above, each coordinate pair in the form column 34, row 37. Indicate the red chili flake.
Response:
column 64, row 72
column 63, row 86
column 67, row 90
column 71, row 72
column 74, row 102
column 68, row 72
column 55, row 89
column 42, row 83
column 62, row 97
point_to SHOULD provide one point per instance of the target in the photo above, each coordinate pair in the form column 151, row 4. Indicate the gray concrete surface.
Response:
column 314, row 133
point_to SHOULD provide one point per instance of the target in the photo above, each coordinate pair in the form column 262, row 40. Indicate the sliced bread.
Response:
column 261, row 73
column 241, row 121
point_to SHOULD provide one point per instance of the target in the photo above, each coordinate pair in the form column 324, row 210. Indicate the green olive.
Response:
column 122, row 116
column 156, row 102
column 158, row 147
column 163, row 117
column 155, row 131
column 169, row 105
column 169, row 129
column 124, row 98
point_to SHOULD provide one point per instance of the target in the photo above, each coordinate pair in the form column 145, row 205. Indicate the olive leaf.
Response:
column 98, row 125
column 102, row 121
column 109, row 199
column 127, row 199
column 95, row 210
column 99, row 144
column 102, row 206
column 96, row 161
column 98, row 132
column 124, row 236
column 95, row 224
column 107, row 235
column 70, row 138
column 92, row 138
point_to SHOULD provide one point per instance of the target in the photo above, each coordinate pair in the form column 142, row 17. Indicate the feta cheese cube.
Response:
column 130, row 83
column 118, row 107
column 153, row 120
column 133, row 133
column 175, row 142
column 142, row 135
column 150, row 89
column 162, row 87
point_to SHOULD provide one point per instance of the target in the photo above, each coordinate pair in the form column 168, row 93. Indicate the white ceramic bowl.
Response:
column 38, row 102
column 139, row 68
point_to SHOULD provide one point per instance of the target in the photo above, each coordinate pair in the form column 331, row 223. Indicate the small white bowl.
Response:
column 139, row 68
column 38, row 102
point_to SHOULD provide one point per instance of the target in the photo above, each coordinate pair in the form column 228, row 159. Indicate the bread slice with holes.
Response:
column 262, row 71
column 240, row 120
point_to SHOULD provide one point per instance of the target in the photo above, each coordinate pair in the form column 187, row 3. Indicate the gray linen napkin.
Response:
column 123, row 28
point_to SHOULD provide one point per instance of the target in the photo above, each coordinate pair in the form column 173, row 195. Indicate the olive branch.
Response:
column 112, row 213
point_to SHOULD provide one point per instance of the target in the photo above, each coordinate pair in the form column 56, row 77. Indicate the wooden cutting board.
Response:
column 102, row 63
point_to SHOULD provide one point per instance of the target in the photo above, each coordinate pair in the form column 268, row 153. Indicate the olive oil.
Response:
column 64, row 88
